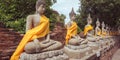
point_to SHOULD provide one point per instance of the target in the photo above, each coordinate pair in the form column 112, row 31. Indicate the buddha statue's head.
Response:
column 72, row 14
column 89, row 19
column 97, row 22
column 103, row 24
column 40, row 6
column 107, row 27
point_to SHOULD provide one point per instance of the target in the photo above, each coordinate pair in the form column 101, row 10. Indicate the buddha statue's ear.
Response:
column 40, row 2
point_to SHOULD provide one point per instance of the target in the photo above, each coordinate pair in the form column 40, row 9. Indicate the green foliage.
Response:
column 105, row 10
column 80, row 22
column 13, row 13
column 79, row 30
column 18, row 25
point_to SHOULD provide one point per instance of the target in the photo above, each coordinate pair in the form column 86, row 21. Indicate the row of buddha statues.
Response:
column 37, row 44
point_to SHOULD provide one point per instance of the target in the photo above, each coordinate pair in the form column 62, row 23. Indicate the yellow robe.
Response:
column 87, row 28
column 39, row 31
column 99, row 33
column 104, row 33
column 71, row 31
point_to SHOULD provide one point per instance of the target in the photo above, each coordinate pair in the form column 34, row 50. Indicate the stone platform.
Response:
column 9, row 40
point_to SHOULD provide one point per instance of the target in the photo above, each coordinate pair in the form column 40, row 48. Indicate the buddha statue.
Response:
column 107, row 30
column 37, row 38
column 98, row 35
column 119, row 30
column 72, row 30
column 97, row 29
column 76, row 47
column 103, row 29
column 107, row 40
column 89, row 33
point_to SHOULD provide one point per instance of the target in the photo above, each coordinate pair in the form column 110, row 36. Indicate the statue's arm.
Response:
column 29, row 22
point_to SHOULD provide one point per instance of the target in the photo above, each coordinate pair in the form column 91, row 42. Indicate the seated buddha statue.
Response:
column 76, row 47
column 103, row 29
column 107, row 30
column 97, row 29
column 89, row 33
column 72, row 30
column 105, row 36
column 99, row 34
column 37, row 38
column 119, row 30
column 88, row 29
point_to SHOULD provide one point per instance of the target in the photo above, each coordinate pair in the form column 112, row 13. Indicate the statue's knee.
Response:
column 59, row 44
column 73, row 42
column 31, row 47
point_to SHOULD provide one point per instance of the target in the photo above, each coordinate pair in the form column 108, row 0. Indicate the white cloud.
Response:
column 65, row 6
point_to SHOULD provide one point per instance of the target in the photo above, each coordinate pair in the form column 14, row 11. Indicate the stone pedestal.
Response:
column 49, row 55
column 94, row 46
column 77, row 53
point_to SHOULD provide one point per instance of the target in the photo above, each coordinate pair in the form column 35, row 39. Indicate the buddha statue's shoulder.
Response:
column 87, row 26
column 74, row 23
column 33, row 16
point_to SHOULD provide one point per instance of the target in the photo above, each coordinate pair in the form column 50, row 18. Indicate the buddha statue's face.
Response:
column 72, row 17
column 89, row 21
column 98, row 24
column 103, row 25
column 41, row 9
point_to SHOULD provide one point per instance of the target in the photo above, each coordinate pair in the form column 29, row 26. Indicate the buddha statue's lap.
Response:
column 78, row 42
column 75, row 40
column 37, row 46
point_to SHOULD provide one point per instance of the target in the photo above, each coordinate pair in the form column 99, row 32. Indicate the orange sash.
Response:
column 87, row 28
column 71, row 31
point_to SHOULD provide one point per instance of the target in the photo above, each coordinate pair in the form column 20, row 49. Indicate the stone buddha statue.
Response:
column 88, row 29
column 37, row 37
column 76, row 47
column 97, row 29
column 98, row 34
column 103, row 29
column 107, row 42
column 107, row 30
column 45, row 44
column 119, row 30
column 71, row 36
column 89, row 33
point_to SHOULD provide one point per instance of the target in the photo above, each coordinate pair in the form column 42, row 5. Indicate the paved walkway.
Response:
column 116, row 56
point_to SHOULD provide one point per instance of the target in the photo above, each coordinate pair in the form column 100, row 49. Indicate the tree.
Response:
column 13, row 13
column 105, row 10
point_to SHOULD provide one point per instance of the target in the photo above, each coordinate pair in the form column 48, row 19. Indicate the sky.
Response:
column 65, row 7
